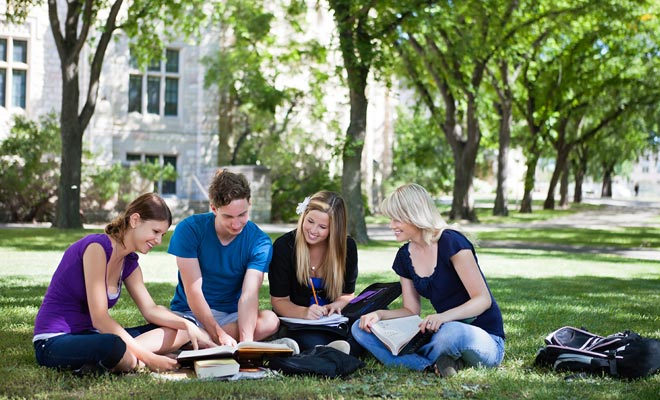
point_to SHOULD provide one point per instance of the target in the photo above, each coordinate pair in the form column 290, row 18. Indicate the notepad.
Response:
column 327, row 320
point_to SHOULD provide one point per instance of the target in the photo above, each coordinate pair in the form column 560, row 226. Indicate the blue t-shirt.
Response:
column 223, row 267
column 444, row 287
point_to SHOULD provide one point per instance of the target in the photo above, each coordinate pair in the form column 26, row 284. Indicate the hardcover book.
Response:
column 246, row 353
column 216, row 368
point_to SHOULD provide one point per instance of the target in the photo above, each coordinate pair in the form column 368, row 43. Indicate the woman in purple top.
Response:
column 73, row 329
column 439, row 264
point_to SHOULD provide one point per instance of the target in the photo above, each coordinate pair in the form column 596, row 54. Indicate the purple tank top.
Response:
column 64, row 308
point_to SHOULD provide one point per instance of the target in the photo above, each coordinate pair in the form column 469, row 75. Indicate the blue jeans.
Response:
column 89, row 350
column 472, row 344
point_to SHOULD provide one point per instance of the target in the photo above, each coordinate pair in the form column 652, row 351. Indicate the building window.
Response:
column 157, row 89
column 161, row 186
column 13, row 72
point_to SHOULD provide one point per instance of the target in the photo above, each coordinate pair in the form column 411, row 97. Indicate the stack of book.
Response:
column 223, row 361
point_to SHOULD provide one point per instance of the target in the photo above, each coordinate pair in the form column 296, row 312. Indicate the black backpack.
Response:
column 321, row 361
column 376, row 296
column 624, row 354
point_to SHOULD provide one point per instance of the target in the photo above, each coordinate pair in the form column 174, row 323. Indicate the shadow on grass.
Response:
column 516, row 252
column 51, row 239
column 637, row 237
column 532, row 308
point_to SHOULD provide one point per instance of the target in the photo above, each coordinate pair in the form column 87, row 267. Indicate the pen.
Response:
column 316, row 299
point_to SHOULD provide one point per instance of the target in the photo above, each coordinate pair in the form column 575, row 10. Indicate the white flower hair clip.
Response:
column 303, row 206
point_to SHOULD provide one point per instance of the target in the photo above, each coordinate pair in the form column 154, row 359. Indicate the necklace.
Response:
column 313, row 268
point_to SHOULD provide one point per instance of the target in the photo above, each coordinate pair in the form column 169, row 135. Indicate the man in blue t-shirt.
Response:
column 222, row 258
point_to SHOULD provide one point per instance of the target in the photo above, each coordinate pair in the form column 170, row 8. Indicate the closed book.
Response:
column 216, row 368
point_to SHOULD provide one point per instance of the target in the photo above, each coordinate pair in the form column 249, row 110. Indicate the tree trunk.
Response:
column 68, row 194
column 577, row 191
column 580, row 172
column 356, row 46
column 501, row 207
column 505, row 111
column 73, row 120
column 71, row 131
column 606, row 190
column 225, row 127
column 351, row 181
column 526, row 203
column 465, row 156
column 560, row 164
column 563, row 186
column 462, row 206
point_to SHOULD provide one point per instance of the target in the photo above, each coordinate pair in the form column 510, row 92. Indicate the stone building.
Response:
column 162, row 113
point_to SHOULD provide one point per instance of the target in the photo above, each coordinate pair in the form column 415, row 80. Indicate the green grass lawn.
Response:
column 538, row 291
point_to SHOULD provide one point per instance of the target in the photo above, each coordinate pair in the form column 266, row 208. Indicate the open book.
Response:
column 401, row 335
column 245, row 352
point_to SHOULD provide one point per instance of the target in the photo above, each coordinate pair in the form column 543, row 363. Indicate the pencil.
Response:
column 316, row 299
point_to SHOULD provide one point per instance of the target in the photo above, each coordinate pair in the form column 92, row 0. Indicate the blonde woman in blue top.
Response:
column 439, row 264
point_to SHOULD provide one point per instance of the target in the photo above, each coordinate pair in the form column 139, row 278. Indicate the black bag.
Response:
column 376, row 296
column 624, row 354
column 341, row 330
column 319, row 361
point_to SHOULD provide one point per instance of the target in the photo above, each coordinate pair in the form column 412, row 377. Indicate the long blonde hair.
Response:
column 333, row 266
column 412, row 204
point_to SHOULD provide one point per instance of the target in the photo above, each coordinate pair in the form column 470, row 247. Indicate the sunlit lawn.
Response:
column 538, row 291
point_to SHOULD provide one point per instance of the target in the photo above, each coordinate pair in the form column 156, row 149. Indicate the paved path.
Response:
column 615, row 213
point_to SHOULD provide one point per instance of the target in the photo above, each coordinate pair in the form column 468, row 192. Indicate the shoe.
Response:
column 446, row 367
column 340, row 345
column 290, row 343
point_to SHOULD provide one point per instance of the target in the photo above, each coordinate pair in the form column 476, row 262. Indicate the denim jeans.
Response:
column 472, row 344
column 89, row 350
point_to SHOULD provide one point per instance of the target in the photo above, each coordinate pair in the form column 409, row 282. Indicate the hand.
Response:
column 332, row 308
column 315, row 312
column 223, row 338
column 158, row 363
column 199, row 337
column 432, row 322
column 368, row 320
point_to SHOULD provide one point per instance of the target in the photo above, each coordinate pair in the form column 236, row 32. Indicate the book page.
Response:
column 396, row 333
column 210, row 352
column 263, row 347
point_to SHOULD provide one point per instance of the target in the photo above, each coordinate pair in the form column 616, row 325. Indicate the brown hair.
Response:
column 334, row 263
column 150, row 206
column 226, row 187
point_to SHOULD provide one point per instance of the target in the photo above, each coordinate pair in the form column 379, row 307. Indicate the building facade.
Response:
column 161, row 113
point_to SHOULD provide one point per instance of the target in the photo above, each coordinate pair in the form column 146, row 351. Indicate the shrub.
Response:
column 29, row 169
